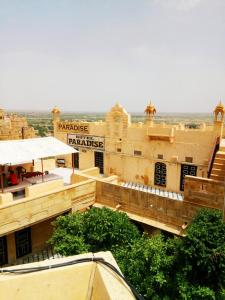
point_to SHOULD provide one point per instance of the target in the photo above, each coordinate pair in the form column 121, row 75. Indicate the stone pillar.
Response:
column 11, row 245
column 55, row 118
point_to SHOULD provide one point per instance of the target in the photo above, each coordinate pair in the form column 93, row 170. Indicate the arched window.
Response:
column 219, row 116
column 160, row 174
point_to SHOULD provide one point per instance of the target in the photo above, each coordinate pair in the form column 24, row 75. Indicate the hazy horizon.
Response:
column 103, row 113
column 87, row 55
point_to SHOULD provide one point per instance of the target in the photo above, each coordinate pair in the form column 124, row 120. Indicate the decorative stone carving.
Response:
column 117, row 122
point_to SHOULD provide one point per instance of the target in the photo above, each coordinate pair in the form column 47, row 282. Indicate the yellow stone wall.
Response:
column 13, row 127
column 88, row 280
column 174, row 142
column 45, row 204
column 40, row 234
column 6, row 198
column 48, row 165
column 50, row 199
column 11, row 247
column 37, row 189
column 162, row 212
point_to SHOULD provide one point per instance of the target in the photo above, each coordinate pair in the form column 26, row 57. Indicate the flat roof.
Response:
column 18, row 151
column 75, row 277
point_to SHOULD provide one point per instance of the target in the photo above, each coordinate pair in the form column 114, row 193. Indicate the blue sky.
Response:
column 86, row 55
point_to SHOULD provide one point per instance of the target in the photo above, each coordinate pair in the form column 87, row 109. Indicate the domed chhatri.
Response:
column 150, row 109
column 118, row 105
column 56, row 110
column 219, row 107
column 150, row 112
column 219, row 112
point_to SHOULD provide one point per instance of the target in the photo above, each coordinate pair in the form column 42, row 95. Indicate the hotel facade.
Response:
column 151, row 154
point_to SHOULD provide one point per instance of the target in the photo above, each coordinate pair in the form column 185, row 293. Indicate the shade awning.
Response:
column 18, row 151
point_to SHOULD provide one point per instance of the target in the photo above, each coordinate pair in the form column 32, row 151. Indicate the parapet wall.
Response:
column 30, row 210
column 199, row 193
column 87, row 280
column 204, row 192
column 87, row 190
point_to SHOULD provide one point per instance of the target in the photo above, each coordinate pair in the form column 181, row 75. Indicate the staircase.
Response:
column 218, row 168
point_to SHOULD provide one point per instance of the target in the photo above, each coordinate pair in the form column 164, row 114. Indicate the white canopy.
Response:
column 17, row 151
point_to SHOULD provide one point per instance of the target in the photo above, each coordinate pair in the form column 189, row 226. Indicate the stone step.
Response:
column 217, row 177
column 220, row 154
column 219, row 166
column 219, row 160
column 220, row 172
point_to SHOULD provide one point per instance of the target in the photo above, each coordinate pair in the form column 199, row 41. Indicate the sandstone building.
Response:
column 13, row 127
column 155, row 155
column 152, row 154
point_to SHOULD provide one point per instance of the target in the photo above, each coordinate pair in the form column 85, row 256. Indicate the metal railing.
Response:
column 46, row 253
column 213, row 155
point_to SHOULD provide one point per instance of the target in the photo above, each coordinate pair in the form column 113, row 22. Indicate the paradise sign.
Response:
column 74, row 127
column 86, row 141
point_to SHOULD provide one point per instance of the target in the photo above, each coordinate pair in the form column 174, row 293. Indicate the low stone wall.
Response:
column 36, row 189
column 165, row 210
column 88, row 280
column 91, row 172
column 49, row 202
column 5, row 198
column 80, row 176
column 204, row 192
column 30, row 210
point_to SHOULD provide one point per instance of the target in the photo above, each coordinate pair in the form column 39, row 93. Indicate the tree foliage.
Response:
column 95, row 230
column 201, row 258
column 148, row 264
column 186, row 268
column 68, row 238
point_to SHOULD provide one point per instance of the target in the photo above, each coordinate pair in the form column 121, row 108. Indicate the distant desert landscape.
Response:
column 42, row 121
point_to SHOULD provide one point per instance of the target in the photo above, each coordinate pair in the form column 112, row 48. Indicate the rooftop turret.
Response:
column 150, row 111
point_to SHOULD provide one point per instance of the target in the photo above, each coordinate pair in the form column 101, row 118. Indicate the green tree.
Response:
column 41, row 130
column 105, row 229
column 67, row 238
column 201, row 259
column 186, row 268
column 148, row 264
column 94, row 230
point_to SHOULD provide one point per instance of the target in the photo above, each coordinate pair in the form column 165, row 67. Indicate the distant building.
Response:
column 13, row 127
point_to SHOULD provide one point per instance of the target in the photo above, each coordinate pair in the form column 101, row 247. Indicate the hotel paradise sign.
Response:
column 73, row 127
column 87, row 141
